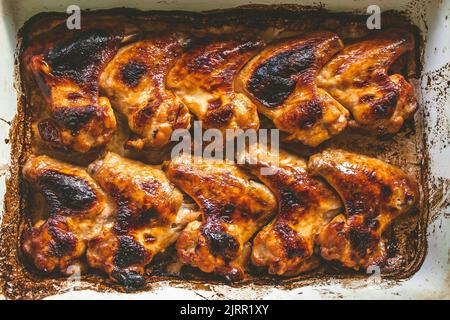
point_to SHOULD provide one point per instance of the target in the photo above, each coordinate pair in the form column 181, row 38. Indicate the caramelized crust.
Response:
column 374, row 194
column 148, row 217
column 305, row 205
column 358, row 78
column 281, row 80
column 66, row 70
column 76, row 206
column 135, row 83
column 233, row 209
column 204, row 79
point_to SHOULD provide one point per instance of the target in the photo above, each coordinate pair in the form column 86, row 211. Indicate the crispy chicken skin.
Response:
column 281, row 80
column 374, row 194
column 148, row 217
column 305, row 205
column 204, row 78
column 358, row 78
column 233, row 209
column 76, row 207
column 66, row 70
column 134, row 81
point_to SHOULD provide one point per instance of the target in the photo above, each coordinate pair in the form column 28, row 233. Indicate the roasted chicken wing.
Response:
column 204, row 78
column 76, row 209
column 66, row 70
column 374, row 194
column 233, row 209
column 148, row 217
column 134, row 81
column 281, row 80
column 305, row 205
column 358, row 78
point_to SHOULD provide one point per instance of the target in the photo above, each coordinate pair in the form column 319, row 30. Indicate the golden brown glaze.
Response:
column 134, row 81
column 233, row 209
column 358, row 78
column 76, row 208
column 66, row 68
column 204, row 78
column 281, row 80
column 148, row 217
column 286, row 245
column 374, row 194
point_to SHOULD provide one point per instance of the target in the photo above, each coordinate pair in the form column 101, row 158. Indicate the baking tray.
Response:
column 422, row 149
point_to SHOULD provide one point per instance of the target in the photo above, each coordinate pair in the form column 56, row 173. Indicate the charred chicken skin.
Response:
column 76, row 209
column 233, row 209
column 134, row 81
column 204, row 78
column 66, row 71
column 358, row 78
column 148, row 217
column 286, row 245
column 374, row 194
column 281, row 80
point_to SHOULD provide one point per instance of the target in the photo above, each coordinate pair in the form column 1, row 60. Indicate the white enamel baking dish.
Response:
column 432, row 281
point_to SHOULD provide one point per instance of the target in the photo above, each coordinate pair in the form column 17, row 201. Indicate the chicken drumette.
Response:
column 66, row 66
column 233, row 209
column 75, row 211
column 134, row 81
column 148, row 217
column 358, row 78
column 286, row 245
column 374, row 194
column 204, row 78
column 281, row 80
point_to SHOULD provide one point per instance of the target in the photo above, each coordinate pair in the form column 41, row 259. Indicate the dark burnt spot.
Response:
column 82, row 58
column 132, row 72
column 129, row 252
column 125, row 210
column 220, row 243
column 274, row 80
column 50, row 132
column 129, row 279
column 66, row 194
column 145, row 217
column 362, row 203
column 361, row 240
column 151, row 186
column 310, row 113
column 146, row 113
column 368, row 98
column 214, row 104
column 63, row 242
column 293, row 243
column 219, row 117
column 385, row 106
column 74, row 118
column 289, row 201
column 74, row 95
column 386, row 192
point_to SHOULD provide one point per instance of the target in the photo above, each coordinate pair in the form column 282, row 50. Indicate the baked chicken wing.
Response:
column 66, row 72
column 374, row 194
column 305, row 205
column 233, row 209
column 134, row 81
column 204, row 78
column 281, row 80
column 148, row 217
column 358, row 78
column 76, row 208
